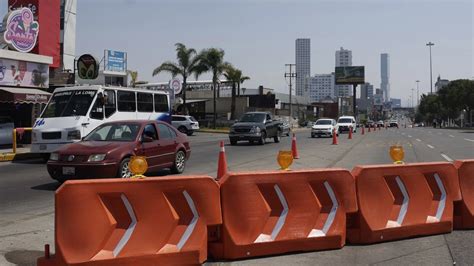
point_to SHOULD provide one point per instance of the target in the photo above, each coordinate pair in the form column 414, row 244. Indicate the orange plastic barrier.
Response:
column 153, row 221
column 268, row 213
column 400, row 201
column 464, row 210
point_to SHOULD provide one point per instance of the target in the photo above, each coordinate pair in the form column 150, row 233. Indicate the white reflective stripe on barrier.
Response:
column 441, row 204
column 331, row 216
column 281, row 219
column 189, row 230
column 403, row 207
column 128, row 233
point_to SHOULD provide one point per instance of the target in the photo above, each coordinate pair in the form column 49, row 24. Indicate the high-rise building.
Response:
column 366, row 91
column 321, row 86
column 343, row 58
column 385, row 76
column 68, row 33
column 303, row 64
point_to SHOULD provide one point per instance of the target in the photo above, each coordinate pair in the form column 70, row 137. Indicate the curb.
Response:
column 219, row 131
column 8, row 157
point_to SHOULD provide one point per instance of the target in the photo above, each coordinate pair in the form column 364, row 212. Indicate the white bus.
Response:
column 73, row 112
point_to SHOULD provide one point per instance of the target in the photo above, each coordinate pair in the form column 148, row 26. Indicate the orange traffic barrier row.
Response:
column 464, row 210
column 269, row 213
column 134, row 222
column 400, row 201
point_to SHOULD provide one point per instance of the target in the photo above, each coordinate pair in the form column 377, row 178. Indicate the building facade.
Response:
column 303, row 64
column 321, row 86
column 366, row 91
column 440, row 83
column 396, row 103
column 385, row 76
column 343, row 58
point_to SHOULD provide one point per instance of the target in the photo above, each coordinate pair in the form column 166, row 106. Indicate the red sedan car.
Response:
column 106, row 151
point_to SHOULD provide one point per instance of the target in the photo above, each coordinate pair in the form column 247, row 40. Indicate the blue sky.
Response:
column 259, row 36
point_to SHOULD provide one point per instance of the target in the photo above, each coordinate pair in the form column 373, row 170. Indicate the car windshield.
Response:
column 323, row 122
column 69, row 103
column 253, row 117
column 114, row 132
column 193, row 119
column 345, row 120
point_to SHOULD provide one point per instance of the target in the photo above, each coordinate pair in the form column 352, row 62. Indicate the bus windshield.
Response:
column 69, row 103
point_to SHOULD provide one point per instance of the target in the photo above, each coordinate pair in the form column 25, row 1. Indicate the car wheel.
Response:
column 183, row 129
column 124, row 170
column 262, row 139
column 277, row 137
column 313, row 136
column 233, row 142
column 190, row 133
column 179, row 162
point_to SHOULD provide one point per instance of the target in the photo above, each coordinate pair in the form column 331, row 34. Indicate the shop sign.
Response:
column 87, row 67
column 23, row 74
column 21, row 30
column 115, row 61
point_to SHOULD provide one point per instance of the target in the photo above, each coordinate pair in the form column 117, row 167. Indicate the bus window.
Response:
column 97, row 111
column 144, row 102
column 69, row 103
column 110, row 103
column 161, row 103
column 126, row 101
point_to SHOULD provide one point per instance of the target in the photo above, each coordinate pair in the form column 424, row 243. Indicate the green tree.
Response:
column 458, row 95
column 212, row 60
column 133, row 77
column 234, row 75
column 188, row 63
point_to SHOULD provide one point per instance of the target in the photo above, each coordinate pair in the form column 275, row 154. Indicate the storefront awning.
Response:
column 23, row 95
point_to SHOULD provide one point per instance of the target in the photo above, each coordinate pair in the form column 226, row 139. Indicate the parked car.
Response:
column 393, row 123
column 345, row 122
column 285, row 129
column 370, row 123
column 255, row 126
column 105, row 151
column 185, row 124
column 380, row 123
column 6, row 130
column 324, row 127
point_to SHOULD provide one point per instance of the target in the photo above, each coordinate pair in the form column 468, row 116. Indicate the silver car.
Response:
column 6, row 130
column 185, row 124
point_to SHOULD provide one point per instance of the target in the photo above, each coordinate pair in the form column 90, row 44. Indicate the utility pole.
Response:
column 412, row 98
column 431, row 68
column 290, row 75
column 417, row 93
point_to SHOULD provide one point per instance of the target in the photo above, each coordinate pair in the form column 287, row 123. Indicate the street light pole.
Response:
column 417, row 93
column 290, row 75
column 412, row 97
column 431, row 68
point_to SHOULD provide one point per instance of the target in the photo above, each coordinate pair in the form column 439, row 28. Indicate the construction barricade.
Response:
column 400, row 201
column 464, row 210
column 153, row 221
column 268, row 213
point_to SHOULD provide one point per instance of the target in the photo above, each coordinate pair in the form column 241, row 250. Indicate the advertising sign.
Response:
column 87, row 67
column 23, row 74
column 115, row 61
column 176, row 86
column 350, row 75
column 21, row 30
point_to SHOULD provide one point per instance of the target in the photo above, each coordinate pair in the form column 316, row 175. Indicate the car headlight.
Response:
column 96, row 158
column 75, row 134
column 54, row 156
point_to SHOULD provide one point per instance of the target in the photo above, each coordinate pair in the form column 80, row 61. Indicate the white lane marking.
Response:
column 331, row 216
column 451, row 136
column 403, row 133
column 439, row 133
column 403, row 208
column 409, row 136
column 430, row 146
column 189, row 230
column 446, row 157
column 429, row 132
column 418, row 139
column 442, row 202
column 128, row 233
column 281, row 220
column 471, row 140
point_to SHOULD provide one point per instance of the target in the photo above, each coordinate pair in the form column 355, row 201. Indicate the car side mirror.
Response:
column 147, row 139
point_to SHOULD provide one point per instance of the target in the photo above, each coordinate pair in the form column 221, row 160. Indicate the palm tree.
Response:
column 133, row 77
column 212, row 60
column 234, row 75
column 187, row 65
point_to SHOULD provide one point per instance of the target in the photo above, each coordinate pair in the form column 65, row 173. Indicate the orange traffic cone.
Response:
column 334, row 137
column 363, row 130
column 350, row 133
column 222, row 165
column 294, row 149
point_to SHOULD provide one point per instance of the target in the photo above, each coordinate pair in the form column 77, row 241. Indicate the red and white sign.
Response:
column 176, row 86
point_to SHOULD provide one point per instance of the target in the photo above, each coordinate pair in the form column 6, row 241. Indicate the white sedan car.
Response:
column 324, row 127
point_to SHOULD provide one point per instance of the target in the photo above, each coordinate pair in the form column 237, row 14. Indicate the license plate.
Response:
column 69, row 170
column 43, row 147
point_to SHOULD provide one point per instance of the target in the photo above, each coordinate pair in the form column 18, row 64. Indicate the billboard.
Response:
column 350, row 75
column 23, row 74
column 115, row 61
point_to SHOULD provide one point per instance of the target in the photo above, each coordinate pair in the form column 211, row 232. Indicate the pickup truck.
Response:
column 255, row 127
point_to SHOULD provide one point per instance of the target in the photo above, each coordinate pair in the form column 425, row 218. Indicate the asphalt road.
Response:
column 27, row 194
